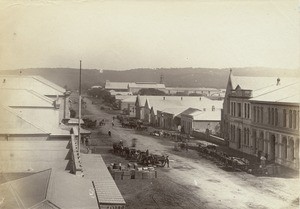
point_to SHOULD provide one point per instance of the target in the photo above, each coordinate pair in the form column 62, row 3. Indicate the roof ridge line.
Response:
column 37, row 77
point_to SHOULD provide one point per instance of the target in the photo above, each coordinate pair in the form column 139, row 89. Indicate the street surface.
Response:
column 191, row 181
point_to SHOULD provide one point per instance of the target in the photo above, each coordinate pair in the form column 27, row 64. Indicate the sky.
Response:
column 121, row 35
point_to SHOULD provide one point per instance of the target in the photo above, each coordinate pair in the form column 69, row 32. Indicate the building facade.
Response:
column 262, row 118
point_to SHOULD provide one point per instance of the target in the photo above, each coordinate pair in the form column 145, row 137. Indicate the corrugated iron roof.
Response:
column 70, row 191
column 106, row 188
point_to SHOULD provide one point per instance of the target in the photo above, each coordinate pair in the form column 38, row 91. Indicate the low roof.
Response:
column 12, row 123
column 24, row 98
column 70, row 191
column 190, row 111
column 49, row 189
column 25, row 192
column 106, row 188
column 35, row 83
column 74, row 121
column 208, row 116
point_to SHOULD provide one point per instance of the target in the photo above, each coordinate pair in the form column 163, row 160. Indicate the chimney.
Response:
column 204, row 109
column 181, row 98
column 200, row 98
column 278, row 81
column 213, row 108
column 164, row 98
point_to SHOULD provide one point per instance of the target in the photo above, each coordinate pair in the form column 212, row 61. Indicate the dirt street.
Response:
column 191, row 181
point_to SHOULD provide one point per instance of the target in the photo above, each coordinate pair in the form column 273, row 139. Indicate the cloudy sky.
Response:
column 134, row 34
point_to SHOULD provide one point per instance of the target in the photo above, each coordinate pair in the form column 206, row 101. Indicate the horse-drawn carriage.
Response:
column 88, row 123
column 210, row 151
column 141, row 157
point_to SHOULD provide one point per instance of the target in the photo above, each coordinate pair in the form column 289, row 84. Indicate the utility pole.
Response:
column 79, row 112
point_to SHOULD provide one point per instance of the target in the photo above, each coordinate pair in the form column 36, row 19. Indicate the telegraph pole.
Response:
column 79, row 112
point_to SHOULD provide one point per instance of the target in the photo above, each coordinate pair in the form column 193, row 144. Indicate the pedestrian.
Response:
column 109, row 133
column 147, row 152
column 112, row 123
column 167, row 161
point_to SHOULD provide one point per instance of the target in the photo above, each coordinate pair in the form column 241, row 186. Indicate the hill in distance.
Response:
column 172, row 77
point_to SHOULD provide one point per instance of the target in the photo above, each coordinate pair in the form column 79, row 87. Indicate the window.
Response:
column 294, row 119
column 284, row 118
column 245, row 110
column 290, row 119
column 234, row 109
column 254, row 114
column 248, row 112
column 276, row 116
column 261, row 114
column 239, row 110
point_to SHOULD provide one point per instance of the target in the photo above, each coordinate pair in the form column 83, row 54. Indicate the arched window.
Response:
column 284, row 118
column 284, row 148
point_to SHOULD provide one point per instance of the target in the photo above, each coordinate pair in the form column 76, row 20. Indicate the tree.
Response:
column 151, row 92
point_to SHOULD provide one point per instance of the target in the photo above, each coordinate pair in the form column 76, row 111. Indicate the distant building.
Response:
column 136, row 87
column 164, row 111
column 201, row 120
column 260, row 116
column 132, row 87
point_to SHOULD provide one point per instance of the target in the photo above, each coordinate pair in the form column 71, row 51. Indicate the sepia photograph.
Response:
column 149, row 104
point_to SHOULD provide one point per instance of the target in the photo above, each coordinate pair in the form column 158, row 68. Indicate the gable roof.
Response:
column 35, row 83
column 12, row 123
column 25, row 192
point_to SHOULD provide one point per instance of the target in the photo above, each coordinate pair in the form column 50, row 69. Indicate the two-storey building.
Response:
column 261, row 117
